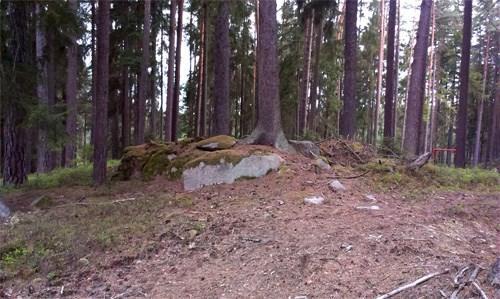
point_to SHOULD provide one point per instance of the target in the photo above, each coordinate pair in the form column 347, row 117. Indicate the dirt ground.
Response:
column 259, row 240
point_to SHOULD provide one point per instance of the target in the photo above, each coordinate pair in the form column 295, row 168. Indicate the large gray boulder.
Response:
column 305, row 148
column 227, row 170
column 4, row 211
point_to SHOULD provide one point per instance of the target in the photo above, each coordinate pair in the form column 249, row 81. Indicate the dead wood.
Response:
column 412, row 284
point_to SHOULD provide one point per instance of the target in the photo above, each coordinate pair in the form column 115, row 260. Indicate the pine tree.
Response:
column 222, row 54
column 348, row 116
column 464, row 87
column 100, row 127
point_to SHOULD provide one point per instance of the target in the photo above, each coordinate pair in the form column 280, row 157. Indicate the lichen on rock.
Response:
column 215, row 143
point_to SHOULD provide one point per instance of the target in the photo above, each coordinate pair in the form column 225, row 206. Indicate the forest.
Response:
column 188, row 110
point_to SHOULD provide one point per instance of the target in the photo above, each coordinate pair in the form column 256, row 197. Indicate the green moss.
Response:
column 213, row 158
column 157, row 164
column 220, row 142
column 43, row 202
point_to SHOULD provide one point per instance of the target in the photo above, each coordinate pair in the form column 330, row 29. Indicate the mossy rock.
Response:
column 217, row 157
column 145, row 160
column 215, row 143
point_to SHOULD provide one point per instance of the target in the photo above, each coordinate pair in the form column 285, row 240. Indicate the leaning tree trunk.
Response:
column 464, row 87
column 222, row 53
column 268, row 130
column 480, row 108
column 71, row 102
column 417, row 80
column 348, row 116
column 13, row 112
column 143, row 76
column 169, row 110
column 102, row 77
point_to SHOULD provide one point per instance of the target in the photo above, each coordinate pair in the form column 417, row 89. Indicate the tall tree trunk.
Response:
column 417, row 80
column 464, row 87
column 380, row 71
column 201, row 94
column 430, row 84
column 480, row 107
column 389, row 87
column 222, row 54
column 396, row 71
column 306, row 70
column 125, row 105
column 348, row 116
column 169, row 111
column 14, row 134
column 94, row 65
column 154, row 71
column 318, row 38
column 143, row 77
column 493, row 140
column 43, row 153
column 102, row 77
column 177, row 85
column 268, row 130
column 71, row 101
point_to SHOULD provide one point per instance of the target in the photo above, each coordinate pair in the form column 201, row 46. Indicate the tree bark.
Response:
column 43, row 153
column 396, row 71
column 140, row 119
column 201, row 90
column 417, row 80
column 268, row 130
column 71, row 101
column 318, row 38
column 348, row 115
column 380, row 71
column 493, row 140
column 175, row 107
column 14, row 134
column 389, row 87
column 125, row 105
column 102, row 77
column 480, row 108
column 306, row 70
column 169, row 111
column 222, row 54
column 464, row 87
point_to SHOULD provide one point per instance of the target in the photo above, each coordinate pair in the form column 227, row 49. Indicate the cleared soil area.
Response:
column 256, row 239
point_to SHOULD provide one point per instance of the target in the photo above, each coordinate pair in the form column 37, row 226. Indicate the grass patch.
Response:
column 388, row 174
column 60, row 177
column 51, row 243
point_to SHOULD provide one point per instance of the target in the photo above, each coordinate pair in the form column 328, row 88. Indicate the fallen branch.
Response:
column 419, row 162
column 352, row 151
column 412, row 284
column 478, row 288
column 352, row 176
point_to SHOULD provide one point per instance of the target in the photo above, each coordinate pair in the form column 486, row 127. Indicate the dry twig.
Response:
column 412, row 284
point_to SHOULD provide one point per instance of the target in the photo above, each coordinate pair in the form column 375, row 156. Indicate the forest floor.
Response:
column 252, row 239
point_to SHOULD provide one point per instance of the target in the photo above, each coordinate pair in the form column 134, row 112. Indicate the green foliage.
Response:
column 388, row 173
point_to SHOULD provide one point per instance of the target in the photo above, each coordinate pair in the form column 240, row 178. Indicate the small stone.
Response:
column 368, row 207
column 305, row 148
column 216, row 143
column 314, row 200
column 336, row 185
column 346, row 247
column 83, row 261
column 170, row 157
column 4, row 211
column 370, row 197
column 280, row 202
column 192, row 234
column 173, row 169
column 322, row 165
